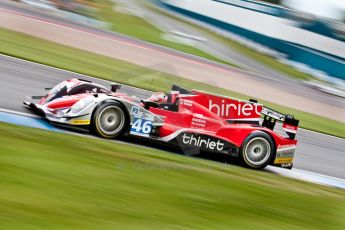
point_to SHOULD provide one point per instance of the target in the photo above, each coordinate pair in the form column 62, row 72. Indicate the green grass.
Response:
column 62, row 181
column 264, row 59
column 137, row 27
column 41, row 51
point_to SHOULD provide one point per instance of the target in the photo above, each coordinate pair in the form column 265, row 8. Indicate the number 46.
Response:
column 144, row 126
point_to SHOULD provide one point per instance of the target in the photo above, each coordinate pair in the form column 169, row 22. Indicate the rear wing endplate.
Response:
column 290, row 124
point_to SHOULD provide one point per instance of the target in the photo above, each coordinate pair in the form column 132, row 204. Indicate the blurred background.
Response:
column 303, row 39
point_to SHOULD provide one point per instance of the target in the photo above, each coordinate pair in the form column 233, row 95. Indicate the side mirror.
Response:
column 115, row 87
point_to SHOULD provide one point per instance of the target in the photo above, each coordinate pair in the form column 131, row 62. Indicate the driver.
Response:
column 161, row 99
column 158, row 98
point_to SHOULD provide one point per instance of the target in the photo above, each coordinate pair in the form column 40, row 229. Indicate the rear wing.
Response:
column 290, row 124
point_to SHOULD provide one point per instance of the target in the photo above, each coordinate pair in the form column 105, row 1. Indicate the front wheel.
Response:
column 257, row 150
column 109, row 120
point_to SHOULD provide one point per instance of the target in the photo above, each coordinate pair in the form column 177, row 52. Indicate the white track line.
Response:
column 19, row 113
column 309, row 176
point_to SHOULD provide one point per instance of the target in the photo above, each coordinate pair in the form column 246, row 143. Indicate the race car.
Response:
column 193, row 120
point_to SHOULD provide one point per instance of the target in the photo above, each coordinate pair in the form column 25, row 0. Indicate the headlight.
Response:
column 80, row 105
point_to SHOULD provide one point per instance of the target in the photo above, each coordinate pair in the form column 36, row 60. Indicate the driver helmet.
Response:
column 158, row 97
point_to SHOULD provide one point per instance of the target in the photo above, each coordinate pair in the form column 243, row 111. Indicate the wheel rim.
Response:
column 257, row 151
column 111, row 120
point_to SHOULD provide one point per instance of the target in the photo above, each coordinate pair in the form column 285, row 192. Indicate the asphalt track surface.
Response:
column 289, row 93
column 316, row 152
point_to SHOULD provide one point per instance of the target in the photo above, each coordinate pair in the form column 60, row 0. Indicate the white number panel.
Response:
column 141, row 127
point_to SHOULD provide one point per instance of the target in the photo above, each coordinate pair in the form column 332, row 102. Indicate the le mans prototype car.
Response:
column 193, row 120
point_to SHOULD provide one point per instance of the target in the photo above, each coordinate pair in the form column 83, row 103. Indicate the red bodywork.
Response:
column 213, row 115
column 225, row 118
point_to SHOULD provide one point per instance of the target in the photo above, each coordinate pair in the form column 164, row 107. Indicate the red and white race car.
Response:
column 194, row 120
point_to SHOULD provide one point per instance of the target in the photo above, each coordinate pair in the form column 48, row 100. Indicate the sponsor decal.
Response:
column 290, row 128
column 283, row 160
column 135, row 110
column 229, row 107
column 192, row 143
column 186, row 102
column 202, row 142
column 198, row 121
column 79, row 122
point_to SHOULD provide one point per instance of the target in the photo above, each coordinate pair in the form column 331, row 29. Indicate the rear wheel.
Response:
column 257, row 150
column 109, row 120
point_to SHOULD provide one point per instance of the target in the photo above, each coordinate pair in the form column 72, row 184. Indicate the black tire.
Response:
column 109, row 120
column 257, row 150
